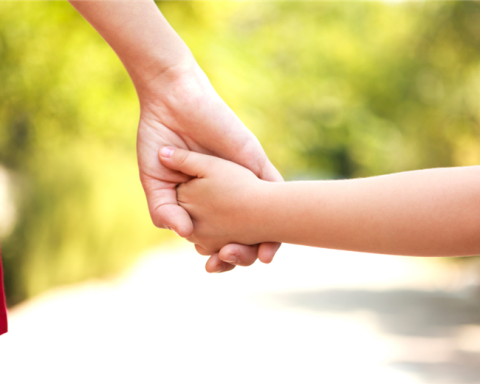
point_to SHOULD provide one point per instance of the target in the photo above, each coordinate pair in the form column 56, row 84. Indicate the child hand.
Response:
column 224, row 200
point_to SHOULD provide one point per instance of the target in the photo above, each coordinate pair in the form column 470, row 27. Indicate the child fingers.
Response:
column 215, row 265
column 203, row 251
column 267, row 251
column 227, row 267
column 238, row 254
column 187, row 162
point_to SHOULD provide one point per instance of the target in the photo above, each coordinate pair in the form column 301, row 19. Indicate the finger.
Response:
column 190, row 163
column 164, row 209
column 238, row 254
column 175, row 218
column 215, row 265
column 202, row 251
column 267, row 251
column 270, row 173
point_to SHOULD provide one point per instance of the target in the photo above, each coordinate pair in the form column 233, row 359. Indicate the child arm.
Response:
column 432, row 212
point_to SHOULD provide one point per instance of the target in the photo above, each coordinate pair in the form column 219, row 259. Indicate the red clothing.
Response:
column 3, row 306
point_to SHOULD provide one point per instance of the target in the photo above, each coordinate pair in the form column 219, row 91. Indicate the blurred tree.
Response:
column 68, row 122
column 346, row 89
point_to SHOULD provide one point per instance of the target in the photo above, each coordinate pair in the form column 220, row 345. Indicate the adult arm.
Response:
column 179, row 107
column 433, row 212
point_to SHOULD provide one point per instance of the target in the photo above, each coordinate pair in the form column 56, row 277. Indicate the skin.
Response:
column 180, row 108
column 432, row 212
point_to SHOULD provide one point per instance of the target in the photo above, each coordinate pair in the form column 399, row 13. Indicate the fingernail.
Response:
column 167, row 151
column 231, row 259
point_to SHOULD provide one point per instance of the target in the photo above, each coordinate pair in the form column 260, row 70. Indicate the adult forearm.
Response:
column 141, row 37
column 433, row 212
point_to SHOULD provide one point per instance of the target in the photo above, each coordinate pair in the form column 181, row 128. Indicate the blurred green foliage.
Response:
column 68, row 122
column 331, row 90
column 349, row 88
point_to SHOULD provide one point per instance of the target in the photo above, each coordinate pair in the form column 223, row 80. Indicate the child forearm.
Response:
column 426, row 213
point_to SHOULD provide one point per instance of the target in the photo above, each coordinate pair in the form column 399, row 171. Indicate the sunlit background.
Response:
column 332, row 90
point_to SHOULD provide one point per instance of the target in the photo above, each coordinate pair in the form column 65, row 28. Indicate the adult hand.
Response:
column 180, row 108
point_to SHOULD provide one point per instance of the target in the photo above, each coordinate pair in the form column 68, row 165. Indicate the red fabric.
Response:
column 3, row 306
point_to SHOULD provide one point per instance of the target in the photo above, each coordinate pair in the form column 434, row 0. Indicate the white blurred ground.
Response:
column 168, row 321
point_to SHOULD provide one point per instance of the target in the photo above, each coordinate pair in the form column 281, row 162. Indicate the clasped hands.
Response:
column 227, row 204
column 178, row 108
column 186, row 113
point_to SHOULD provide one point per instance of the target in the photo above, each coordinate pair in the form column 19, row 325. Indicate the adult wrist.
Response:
column 175, row 89
column 155, row 79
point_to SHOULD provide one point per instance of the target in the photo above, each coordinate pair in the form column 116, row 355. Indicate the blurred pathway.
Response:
column 312, row 316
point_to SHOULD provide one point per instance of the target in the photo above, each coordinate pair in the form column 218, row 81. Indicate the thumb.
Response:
column 270, row 173
column 189, row 163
